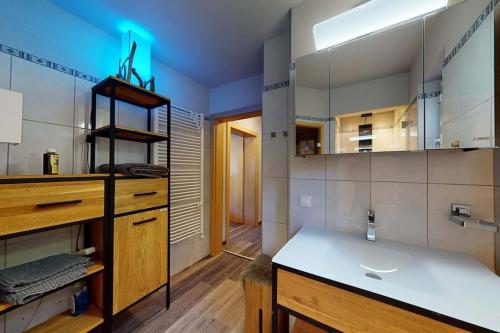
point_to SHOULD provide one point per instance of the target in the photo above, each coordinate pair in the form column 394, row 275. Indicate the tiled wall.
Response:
column 55, row 113
column 411, row 194
column 275, row 99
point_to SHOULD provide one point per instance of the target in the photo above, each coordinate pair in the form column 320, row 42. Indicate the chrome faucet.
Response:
column 370, row 231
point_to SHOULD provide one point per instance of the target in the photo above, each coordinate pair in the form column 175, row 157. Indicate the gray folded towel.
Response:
column 20, row 284
column 37, row 289
column 137, row 169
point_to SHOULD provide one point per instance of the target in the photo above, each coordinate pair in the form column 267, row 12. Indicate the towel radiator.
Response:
column 186, row 211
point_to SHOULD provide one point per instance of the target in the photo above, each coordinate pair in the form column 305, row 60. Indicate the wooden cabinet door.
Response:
column 140, row 256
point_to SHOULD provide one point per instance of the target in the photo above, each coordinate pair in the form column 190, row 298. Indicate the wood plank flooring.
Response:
column 245, row 240
column 207, row 297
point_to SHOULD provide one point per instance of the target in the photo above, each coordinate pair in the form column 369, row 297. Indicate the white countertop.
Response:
column 451, row 284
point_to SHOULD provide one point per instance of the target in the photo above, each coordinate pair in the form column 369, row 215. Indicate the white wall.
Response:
column 56, row 108
column 242, row 95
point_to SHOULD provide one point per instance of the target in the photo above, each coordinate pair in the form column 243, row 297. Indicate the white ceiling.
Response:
column 212, row 41
column 384, row 54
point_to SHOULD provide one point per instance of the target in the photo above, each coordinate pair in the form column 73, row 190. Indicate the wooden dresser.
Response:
column 31, row 204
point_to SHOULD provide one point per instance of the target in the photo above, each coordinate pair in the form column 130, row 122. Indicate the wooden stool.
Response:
column 257, row 283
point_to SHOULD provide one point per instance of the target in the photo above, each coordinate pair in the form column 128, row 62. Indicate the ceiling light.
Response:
column 370, row 17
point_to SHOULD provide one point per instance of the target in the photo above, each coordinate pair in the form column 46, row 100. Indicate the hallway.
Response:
column 244, row 240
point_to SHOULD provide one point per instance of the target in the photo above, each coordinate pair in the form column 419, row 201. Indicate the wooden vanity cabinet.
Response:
column 140, row 256
column 346, row 311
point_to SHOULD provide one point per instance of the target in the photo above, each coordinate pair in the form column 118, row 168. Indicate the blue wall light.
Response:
column 142, row 60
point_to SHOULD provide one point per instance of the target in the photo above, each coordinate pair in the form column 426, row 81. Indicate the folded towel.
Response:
column 17, row 278
column 32, row 291
column 138, row 169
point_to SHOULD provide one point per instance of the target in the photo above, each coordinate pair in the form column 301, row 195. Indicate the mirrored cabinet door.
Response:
column 312, row 122
column 459, row 76
column 375, row 83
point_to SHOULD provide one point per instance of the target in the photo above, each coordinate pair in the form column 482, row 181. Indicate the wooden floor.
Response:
column 244, row 240
column 207, row 297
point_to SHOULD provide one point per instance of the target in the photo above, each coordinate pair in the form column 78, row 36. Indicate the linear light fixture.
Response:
column 370, row 17
column 363, row 137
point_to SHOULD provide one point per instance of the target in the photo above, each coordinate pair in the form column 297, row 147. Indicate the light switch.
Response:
column 305, row 201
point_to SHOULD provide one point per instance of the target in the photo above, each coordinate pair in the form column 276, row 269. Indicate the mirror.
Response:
column 374, row 84
column 459, row 76
column 312, row 124
column 362, row 96
column 426, row 84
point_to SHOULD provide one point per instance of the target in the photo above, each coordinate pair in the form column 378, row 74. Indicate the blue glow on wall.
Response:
column 142, row 59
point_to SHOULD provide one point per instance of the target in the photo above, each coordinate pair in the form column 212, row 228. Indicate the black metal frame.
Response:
column 277, row 308
column 110, row 192
column 41, row 179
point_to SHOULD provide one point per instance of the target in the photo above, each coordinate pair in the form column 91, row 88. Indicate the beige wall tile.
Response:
column 348, row 167
column 459, row 167
column 347, row 203
column 274, row 199
column 274, row 236
column 313, row 216
column 401, row 211
column 309, row 167
column 445, row 235
column 274, row 155
column 399, row 167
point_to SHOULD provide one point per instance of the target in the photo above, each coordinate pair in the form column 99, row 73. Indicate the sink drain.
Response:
column 373, row 276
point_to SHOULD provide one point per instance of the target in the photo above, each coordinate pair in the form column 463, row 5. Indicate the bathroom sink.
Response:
column 374, row 258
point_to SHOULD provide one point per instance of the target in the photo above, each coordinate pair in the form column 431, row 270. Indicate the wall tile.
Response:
column 443, row 234
column 4, row 71
column 275, row 110
column 309, row 167
column 274, row 156
column 274, row 236
column 132, row 116
column 183, row 254
column 38, row 311
column 80, row 152
column 4, row 148
column 36, row 248
column 458, row 167
column 347, row 204
column 49, row 95
column 201, row 247
column 313, row 216
column 132, row 152
column 83, row 104
column 274, row 199
column 399, row 167
column 401, row 211
column 348, row 167
column 27, row 157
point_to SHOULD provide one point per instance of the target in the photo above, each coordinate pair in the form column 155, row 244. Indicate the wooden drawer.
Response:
column 137, row 194
column 347, row 311
column 31, row 206
column 140, row 256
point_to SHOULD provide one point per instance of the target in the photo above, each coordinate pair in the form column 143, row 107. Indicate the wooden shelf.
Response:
column 95, row 268
column 67, row 323
column 130, row 93
column 130, row 134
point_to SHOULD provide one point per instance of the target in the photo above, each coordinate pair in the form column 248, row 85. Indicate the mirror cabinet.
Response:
column 425, row 84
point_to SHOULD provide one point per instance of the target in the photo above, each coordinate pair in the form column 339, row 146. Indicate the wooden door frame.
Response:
column 245, row 133
column 219, row 135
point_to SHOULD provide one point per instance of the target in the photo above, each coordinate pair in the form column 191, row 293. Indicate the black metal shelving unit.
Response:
column 119, row 90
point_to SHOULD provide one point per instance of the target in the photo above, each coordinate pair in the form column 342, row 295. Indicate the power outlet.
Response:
column 305, row 201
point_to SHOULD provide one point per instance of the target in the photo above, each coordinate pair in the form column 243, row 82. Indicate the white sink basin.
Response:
column 372, row 258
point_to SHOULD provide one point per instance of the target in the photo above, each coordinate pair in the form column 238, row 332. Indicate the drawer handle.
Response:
column 145, row 221
column 143, row 194
column 59, row 203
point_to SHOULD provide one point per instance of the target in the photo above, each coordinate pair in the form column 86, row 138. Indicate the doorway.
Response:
column 236, row 186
